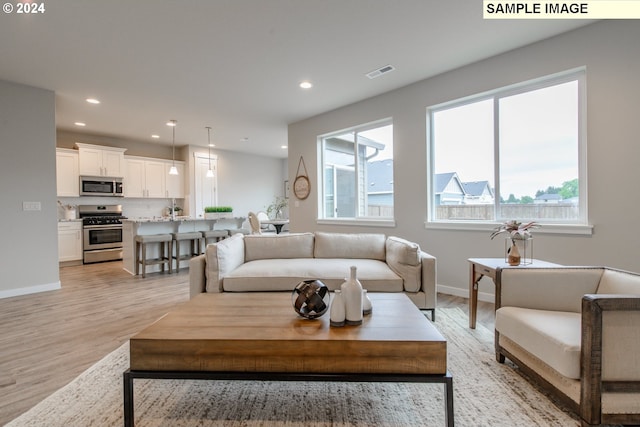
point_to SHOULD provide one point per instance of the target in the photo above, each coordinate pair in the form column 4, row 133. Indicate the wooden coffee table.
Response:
column 258, row 336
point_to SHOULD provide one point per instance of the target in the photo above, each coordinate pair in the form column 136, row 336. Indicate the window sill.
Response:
column 575, row 229
column 358, row 222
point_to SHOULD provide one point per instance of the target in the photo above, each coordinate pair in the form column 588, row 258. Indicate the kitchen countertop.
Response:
column 165, row 219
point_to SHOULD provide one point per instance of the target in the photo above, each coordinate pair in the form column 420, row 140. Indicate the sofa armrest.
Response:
column 197, row 279
column 610, row 357
column 429, row 277
column 549, row 288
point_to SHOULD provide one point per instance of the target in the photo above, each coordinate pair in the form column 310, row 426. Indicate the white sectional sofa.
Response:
column 576, row 330
column 279, row 262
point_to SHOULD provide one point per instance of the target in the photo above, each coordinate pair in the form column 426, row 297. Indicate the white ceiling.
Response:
column 235, row 65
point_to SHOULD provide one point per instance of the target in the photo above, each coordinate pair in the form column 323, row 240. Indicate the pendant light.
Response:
column 173, row 170
column 210, row 171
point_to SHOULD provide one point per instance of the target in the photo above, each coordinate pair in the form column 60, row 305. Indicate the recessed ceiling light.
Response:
column 80, row 124
column 284, row 147
column 212, row 145
column 245, row 139
column 154, row 136
column 93, row 101
column 306, row 85
column 172, row 123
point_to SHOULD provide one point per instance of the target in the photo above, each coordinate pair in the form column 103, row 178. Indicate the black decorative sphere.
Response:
column 310, row 298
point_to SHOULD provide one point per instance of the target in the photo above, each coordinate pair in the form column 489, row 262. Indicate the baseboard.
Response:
column 30, row 290
column 464, row 293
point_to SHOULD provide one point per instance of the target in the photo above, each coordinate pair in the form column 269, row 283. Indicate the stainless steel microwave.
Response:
column 101, row 186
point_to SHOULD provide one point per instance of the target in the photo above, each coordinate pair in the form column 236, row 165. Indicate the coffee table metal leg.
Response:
column 128, row 377
column 128, row 399
column 448, row 399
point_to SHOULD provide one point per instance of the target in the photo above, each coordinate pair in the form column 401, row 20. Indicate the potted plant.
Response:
column 276, row 209
column 517, row 232
column 176, row 210
column 218, row 212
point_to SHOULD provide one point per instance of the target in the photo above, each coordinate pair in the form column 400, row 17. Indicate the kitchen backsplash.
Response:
column 131, row 208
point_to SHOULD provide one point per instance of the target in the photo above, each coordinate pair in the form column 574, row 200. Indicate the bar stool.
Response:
column 215, row 235
column 193, row 238
column 141, row 252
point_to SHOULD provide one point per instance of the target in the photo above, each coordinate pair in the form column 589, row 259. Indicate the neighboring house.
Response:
column 380, row 182
column 548, row 199
column 478, row 192
column 449, row 189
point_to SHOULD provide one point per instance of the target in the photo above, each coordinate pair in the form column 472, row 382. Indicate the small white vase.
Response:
column 367, row 307
column 337, row 312
column 352, row 294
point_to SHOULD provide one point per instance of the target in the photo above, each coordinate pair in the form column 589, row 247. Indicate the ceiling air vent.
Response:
column 380, row 71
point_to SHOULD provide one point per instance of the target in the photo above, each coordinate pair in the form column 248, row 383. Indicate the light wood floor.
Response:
column 48, row 339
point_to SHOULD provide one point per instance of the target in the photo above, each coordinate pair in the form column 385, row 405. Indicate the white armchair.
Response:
column 576, row 331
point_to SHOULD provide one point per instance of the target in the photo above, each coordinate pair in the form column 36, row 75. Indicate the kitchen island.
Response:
column 133, row 227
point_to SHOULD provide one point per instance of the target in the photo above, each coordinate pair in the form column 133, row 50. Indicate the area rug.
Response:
column 486, row 393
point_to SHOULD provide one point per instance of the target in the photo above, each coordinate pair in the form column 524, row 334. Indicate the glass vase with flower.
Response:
column 519, row 241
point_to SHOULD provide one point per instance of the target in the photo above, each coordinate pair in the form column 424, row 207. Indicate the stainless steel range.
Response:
column 102, row 229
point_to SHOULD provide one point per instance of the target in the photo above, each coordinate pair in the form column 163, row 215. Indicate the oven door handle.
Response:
column 102, row 227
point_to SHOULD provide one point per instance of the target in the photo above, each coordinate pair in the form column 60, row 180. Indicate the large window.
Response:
column 514, row 153
column 357, row 167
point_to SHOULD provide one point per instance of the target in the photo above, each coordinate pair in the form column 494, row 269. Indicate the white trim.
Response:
column 585, row 230
column 576, row 226
column 30, row 290
column 199, row 155
column 464, row 293
column 358, row 222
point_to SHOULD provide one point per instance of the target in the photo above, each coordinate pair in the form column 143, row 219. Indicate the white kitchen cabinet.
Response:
column 175, row 183
column 69, row 241
column 97, row 160
column 67, row 174
column 150, row 178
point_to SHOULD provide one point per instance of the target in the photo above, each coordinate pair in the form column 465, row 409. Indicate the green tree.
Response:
column 512, row 199
column 569, row 189
column 526, row 200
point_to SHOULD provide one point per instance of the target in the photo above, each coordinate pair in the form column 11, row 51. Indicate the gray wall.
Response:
column 28, row 167
column 29, row 249
column 611, row 53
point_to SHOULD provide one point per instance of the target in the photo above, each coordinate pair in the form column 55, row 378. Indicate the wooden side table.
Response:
column 481, row 267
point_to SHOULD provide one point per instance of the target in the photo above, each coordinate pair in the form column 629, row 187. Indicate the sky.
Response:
column 538, row 134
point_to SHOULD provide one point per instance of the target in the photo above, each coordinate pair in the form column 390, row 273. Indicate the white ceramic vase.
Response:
column 367, row 307
column 337, row 312
column 352, row 294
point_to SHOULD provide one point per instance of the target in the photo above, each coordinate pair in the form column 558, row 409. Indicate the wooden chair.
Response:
column 576, row 331
column 255, row 223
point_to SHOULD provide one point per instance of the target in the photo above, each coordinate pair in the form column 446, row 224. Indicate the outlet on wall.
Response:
column 31, row 206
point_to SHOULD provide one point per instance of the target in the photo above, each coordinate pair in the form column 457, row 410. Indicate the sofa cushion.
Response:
column 285, row 274
column 344, row 245
column 278, row 246
column 552, row 336
column 619, row 282
column 222, row 258
column 403, row 257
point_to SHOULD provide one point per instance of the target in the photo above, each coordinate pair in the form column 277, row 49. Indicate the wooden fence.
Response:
column 508, row 210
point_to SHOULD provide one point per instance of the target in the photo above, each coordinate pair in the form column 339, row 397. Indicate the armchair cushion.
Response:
column 559, row 289
column 552, row 336
column 619, row 282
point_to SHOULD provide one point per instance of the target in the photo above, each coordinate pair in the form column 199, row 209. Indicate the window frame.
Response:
column 357, row 220
column 579, row 225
